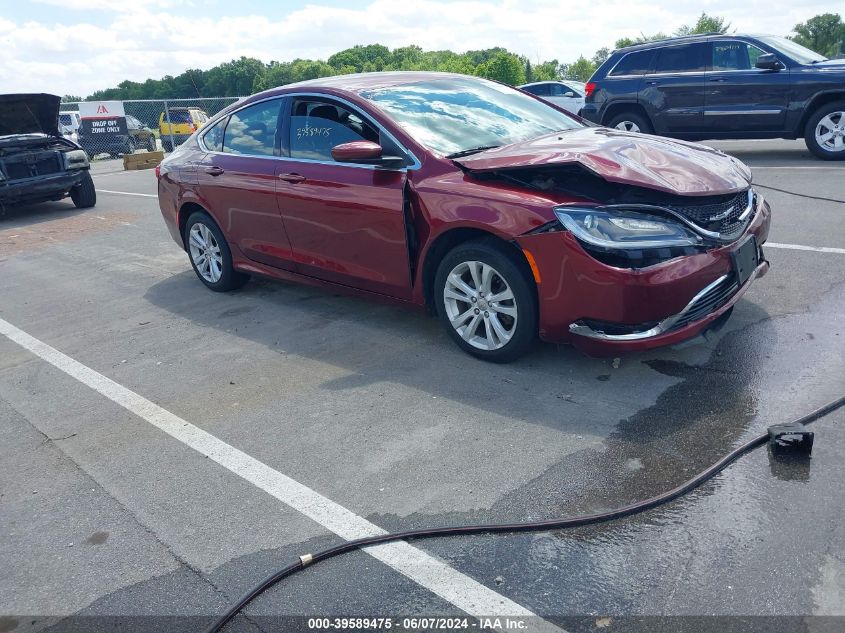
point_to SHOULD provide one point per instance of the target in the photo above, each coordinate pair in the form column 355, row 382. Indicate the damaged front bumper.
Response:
column 606, row 310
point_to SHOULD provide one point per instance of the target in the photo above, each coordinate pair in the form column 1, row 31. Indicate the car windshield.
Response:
column 792, row 50
column 455, row 115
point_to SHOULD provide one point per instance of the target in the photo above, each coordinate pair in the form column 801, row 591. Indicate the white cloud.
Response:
column 136, row 43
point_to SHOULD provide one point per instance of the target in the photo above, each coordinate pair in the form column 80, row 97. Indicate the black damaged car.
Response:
column 37, row 163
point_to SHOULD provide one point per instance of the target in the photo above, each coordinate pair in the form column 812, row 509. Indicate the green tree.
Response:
column 581, row 69
column 601, row 56
column 529, row 72
column 547, row 71
column 504, row 67
column 705, row 24
column 824, row 34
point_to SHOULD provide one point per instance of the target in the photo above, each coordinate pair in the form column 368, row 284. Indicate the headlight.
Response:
column 624, row 229
column 76, row 159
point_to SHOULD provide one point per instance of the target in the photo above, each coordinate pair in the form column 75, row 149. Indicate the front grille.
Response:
column 720, row 217
column 31, row 165
column 709, row 302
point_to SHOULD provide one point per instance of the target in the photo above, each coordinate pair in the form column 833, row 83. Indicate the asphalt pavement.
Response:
column 165, row 447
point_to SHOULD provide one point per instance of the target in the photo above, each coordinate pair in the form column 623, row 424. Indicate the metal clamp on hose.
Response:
column 793, row 437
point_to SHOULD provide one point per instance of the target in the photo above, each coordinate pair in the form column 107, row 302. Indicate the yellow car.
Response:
column 183, row 123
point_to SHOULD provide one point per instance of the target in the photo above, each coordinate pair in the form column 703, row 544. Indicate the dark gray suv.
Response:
column 723, row 86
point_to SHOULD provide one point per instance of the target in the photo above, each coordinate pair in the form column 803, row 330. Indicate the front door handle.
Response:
column 292, row 178
column 720, row 79
column 214, row 170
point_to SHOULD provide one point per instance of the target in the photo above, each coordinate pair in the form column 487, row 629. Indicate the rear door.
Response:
column 237, row 182
column 566, row 97
column 740, row 97
column 346, row 222
column 673, row 92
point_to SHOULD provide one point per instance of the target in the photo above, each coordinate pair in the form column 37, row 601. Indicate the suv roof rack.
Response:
column 674, row 38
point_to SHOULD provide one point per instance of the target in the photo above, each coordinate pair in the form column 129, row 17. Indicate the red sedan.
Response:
column 505, row 216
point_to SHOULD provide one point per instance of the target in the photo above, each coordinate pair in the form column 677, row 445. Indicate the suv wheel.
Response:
column 825, row 131
column 210, row 256
column 130, row 146
column 152, row 146
column 486, row 301
column 631, row 122
column 84, row 195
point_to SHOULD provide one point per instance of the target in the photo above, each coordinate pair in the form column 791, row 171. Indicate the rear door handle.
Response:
column 720, row 79
column 293, row 178
column 214, row 171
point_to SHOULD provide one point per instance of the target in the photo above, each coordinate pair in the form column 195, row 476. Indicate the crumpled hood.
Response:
column 643, row 160
column 29, row 114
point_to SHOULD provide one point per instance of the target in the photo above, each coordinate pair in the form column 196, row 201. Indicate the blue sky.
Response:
column 78, row 46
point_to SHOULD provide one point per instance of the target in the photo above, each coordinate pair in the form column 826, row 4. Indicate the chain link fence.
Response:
column 151, row 125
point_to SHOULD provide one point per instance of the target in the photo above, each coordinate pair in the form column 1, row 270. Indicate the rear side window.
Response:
column 213, row 138
column 682, row 59
column 637, row 63
column 541, row 90
column 317, row 126
column 252, row 131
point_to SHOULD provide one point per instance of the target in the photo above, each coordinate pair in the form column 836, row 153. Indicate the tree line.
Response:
column 824, row 34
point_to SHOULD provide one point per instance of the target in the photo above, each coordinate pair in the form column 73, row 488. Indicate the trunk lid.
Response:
column 652, row 162
column 29, row 114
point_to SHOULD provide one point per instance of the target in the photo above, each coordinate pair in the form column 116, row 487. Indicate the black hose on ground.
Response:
column 550, row 524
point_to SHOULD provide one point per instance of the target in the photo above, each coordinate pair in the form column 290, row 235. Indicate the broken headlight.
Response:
column 76, row 159
column 618, row 229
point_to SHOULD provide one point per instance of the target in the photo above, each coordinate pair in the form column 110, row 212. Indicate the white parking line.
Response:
column 451, row 585
column 128, row 193
column 800, row 247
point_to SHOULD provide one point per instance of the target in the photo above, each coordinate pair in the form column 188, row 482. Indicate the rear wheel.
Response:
column 210, row 256
column 486, row 301
column 84, row 195
column 130, row 146
column 152, row 144
column 631, row 122
column 825, row 131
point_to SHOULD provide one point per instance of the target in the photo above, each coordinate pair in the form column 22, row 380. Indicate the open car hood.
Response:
column 29, row 114
column 617, row 156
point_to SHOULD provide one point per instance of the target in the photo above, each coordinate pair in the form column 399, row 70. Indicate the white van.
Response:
column 69, row 123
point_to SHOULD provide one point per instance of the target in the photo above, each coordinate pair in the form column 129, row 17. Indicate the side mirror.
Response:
column 363, row 152
column 768, row 61
column 569, row 94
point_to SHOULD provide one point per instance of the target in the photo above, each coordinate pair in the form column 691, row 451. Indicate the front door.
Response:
column 740, row 97
column 346, row 222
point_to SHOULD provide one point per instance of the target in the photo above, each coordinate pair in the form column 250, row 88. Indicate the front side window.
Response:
column 213, row 138
column 734, row 56
column 682, row 59
column 458, row 114
column 316, row 126
column 252, row 131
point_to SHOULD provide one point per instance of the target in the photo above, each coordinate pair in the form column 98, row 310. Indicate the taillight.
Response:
column 158, row 171
column 590, row 88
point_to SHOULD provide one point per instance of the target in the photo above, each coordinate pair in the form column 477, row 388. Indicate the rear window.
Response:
column 682, row 59
column 64, row 119
column 541, row 90
column 637, row 63
column 179, row 116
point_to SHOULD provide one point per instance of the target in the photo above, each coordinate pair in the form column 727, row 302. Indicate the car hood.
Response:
column 617, row 156
column 29, row 114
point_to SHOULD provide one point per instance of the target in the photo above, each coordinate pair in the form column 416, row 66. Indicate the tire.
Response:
column 84, row 195
column 130, row 146
column 152, row 144
column 500, row 331
column 631, row 122
column 828, row 121
column 219, row 275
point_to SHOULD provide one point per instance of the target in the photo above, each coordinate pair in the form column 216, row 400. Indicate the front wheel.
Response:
column 210, row 256
column 631, row 122
column 825, row 131
column 486, row 301
column 84, row 195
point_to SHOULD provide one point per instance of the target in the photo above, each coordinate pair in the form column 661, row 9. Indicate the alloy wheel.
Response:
column 628, row 126
column 480, row 305
column 205, row 252
column 830, row 132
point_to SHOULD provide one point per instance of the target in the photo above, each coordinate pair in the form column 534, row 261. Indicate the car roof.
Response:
column 359, row 82
column 682, row 39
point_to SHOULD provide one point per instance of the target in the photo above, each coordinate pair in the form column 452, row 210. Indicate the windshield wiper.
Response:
column 471, row 150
